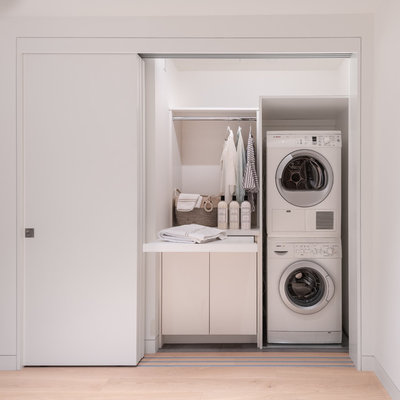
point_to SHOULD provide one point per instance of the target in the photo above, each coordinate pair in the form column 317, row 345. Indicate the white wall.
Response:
column 158, row 145
column 242, row 89
column 227, row 84
column 217, row 83
column 8, row 232
column 385, row 289
column 202, row 144
column 180, row 7
column 159, row 181
column 319, row 27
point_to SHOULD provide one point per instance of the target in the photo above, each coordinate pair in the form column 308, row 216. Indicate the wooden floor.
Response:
column 292, row 378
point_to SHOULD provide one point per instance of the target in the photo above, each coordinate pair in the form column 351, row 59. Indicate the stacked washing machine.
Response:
column 304, row 264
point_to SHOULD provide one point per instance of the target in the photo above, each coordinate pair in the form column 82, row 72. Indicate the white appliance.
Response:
column 304, row 183
column 304, row 290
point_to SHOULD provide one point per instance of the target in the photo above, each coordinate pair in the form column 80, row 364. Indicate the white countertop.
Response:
column 229, row 245
column 243, row 232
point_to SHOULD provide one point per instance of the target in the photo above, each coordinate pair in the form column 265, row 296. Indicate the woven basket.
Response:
column 206, row 215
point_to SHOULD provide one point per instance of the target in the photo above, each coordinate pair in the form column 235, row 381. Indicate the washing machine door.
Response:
column 305, row 287
column 304, row 178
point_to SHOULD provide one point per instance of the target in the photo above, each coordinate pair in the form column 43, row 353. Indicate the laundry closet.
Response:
column 217, row 292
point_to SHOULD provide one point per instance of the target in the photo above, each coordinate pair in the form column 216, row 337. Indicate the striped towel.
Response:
column 240, row 167
column 250, row 180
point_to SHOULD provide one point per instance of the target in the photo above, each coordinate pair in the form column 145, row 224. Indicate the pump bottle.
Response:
column 222, row 214
column 245, row 214
column 234, row 213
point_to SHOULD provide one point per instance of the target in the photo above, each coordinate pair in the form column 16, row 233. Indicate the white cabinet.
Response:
column 209, row 293
column 185, row 297
column 232, row 293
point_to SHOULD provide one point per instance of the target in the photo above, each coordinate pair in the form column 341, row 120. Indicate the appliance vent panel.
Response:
column 324, row 220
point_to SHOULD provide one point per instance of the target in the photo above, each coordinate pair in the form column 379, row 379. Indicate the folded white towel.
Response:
column 199, row 201
column 192, row 233
column 187, row 202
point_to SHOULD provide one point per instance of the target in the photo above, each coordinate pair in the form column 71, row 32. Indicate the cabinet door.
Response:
column 233, row 293
column 185, row 294
column 82, row 191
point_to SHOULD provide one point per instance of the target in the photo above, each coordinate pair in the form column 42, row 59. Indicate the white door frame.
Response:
column 214, row 46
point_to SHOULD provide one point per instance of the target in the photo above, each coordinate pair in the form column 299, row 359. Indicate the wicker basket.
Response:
column 206, row 215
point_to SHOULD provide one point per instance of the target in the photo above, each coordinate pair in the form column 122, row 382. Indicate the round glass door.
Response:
column 305, row 287
column 304, row 178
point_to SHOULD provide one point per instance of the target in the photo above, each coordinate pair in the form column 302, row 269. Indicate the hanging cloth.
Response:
column 250, row 180
column 228, row 167
column 240, row 166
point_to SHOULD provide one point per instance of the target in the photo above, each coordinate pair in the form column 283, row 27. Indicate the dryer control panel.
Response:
column 304, row 141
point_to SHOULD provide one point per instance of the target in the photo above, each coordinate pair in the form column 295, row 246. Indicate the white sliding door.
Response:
column 82, row 173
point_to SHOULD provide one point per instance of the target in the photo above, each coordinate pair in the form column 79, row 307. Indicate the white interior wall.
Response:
column 8, row 228
column 323, row 27
column 160, row 149
column 342, row 124
column 164, row 91
column 233, row 84
column 242, row 89
column 162, row 146
column 178, row 7
column 385, row 287
column 196, row 146
column 338, row 120
column 202, row 144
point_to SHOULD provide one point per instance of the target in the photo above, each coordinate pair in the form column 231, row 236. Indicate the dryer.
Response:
column 303, row 183
column 304, row 290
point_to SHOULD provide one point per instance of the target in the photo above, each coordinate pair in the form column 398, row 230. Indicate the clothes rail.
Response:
column 176, row 118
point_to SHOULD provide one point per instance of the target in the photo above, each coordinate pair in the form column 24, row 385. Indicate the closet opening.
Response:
column 191, row 105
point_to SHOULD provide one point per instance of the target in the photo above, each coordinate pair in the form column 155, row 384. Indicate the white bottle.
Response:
column 234, row 213
column 245, row 214
column 222, row 214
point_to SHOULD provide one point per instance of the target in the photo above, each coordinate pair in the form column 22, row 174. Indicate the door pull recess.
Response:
column 29, row 232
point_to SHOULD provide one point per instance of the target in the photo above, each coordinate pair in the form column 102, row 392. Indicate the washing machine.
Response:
column 303, row 183
column 304, row 290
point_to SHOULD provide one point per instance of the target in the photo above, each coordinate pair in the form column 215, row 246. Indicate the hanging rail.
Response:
column 199, row 118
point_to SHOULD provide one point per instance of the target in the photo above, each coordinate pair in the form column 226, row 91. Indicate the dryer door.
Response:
column 305, row 287
column 304, row 178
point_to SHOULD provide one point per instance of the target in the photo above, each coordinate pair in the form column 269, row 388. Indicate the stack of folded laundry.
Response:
column 187, row 202
column 192, row 233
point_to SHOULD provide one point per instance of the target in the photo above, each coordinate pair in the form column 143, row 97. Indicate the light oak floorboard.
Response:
column 193, row 383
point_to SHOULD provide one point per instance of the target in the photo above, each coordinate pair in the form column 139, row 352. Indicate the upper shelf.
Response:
column 214, row 114
column 303, row 108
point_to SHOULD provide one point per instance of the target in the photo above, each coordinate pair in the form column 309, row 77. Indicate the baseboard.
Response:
column 370, row 363
column 214, row 339
column 387, row 382
column 151, row 346
column 8, row 363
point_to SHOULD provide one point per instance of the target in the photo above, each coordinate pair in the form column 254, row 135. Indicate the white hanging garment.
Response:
column 228, row 167
column 240, row 167
column 250, row 180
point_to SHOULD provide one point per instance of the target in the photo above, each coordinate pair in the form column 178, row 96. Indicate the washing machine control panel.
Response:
column 316, row 250
column 304, row 140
